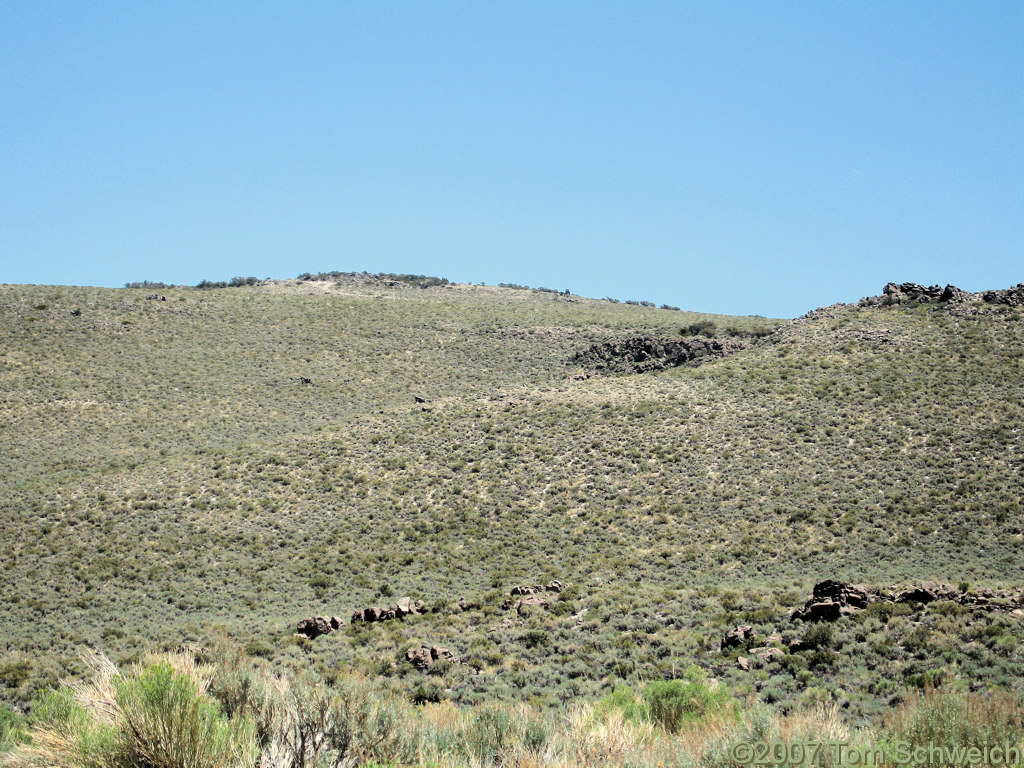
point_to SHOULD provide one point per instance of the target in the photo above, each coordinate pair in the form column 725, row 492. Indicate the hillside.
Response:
column 183, row 465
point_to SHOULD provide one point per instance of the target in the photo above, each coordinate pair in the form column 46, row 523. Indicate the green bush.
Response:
column 674, row 703
column 671, row 704
column 625, row 700
column 167, row 723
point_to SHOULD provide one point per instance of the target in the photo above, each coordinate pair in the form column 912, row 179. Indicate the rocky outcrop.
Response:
column 902, row 294
column 827, row 610
column 832, row 599
column 1013, row 297
column 405, row 606
column 529, row 603
column 531, row 596
column 552, row 586
column 738, row 637
column 923, row 594
column 420, row 657
column 641, row 354
column 318, row 625
column 897, row 294
column 844, row 594
column 424, row 656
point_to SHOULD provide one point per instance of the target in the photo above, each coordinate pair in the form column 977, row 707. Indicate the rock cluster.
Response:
column 406, row 606
column 531, row 597
column 641, row 354
column 1013, row 297
column 318, row 625
column 528, row 603
column 895, row 294
column 832, row 599
column 423, row 656
column 552, row 586
column 737, row 638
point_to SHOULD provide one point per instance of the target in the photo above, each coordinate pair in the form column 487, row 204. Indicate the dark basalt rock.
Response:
column 827, row 610
column 423, row 657
column 646, row 353
column 911, row 293
column 844, row 594
column 738, row 637
column 315, row 626
column 1013, row 297
column 405, row 606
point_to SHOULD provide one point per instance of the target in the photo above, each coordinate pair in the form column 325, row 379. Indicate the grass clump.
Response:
column 156, row 717
column 673, row 705
column 954, row 719
column 12, row 729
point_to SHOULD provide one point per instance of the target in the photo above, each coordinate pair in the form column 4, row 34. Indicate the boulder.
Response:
column 555, row 586
column 831, row 590
column 827, row 610
column 420, row 657
column 336, row 622
column 520, row 590
column 358, row 616
column 406, row 607
column 738, row 637
column 832, row 598
column 314, row 627
column 916, row 595
column 372, row 614
column 442, row 654
column 423, row 656
column 953, row 294
column 1013, row 297
column 743, row 663
column 528, row 603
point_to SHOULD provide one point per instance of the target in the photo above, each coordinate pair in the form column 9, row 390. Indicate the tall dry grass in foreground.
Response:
column 171, row 712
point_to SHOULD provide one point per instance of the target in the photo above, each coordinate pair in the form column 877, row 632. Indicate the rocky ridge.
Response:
column 642, row 354
column 902, row 294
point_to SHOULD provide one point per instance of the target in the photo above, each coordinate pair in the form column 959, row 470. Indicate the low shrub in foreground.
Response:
column 674, row 704
column 951, row 718
column 155, row 717
column 171, row 712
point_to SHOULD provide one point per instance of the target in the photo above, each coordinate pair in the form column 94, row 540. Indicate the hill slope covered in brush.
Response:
column 193, row 463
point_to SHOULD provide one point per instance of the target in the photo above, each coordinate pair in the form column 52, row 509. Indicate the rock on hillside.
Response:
column 641, row 354
column 897, row 294
column 911, row 293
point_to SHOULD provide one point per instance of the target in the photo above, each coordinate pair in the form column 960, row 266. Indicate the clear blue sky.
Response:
column 748, row 158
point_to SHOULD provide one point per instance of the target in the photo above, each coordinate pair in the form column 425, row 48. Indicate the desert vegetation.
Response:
column 174, row 710
column 209, row 469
